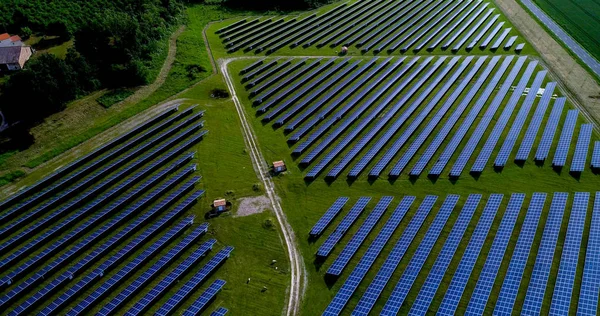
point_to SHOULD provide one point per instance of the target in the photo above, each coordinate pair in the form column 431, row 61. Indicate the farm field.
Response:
column 422, row 176
column 579, row 19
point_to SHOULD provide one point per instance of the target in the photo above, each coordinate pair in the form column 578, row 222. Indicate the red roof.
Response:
column 15, row 38
column 4, row 36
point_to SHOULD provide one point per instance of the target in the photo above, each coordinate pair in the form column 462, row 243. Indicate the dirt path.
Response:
column 296, row 263
column 579, row 84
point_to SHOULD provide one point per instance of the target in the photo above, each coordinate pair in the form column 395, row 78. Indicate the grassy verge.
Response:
column 109, row 99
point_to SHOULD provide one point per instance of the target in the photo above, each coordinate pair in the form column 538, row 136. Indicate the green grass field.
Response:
column 579, row 18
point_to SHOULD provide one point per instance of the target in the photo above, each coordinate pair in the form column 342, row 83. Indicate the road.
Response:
column 262, row 172
column 564, row 37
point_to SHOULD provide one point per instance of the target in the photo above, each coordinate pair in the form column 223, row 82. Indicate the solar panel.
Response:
column 260, row 70
column 471, row 30
column 511, row 41
column 398, row 122
column 396, row 299
column 543, row 262
column 359, row 238
column 502, row 121
column 188, row 288
column 384, row 274
column 167, row 282
column 564, row 142
column 500, row 39
column 465, row 268
column 129, row 268
column 482, row 127
column 114, row 260
column 343, row 227
column 550, row 129
column 363, row 266
column 519, row 47
column 581, row 148
column 421, row 304
column 205, row 298
column 491, row 36
column 517, row 125
column 452, row 146
column 433, row 122
column 326, row 219
column 596, row 155
column 103, row 248
column 512, row 279
column 563, row 288
column 253, row 66
column 487, row 276
column 221, row 311
column 484, row 30
column 536, row 122
column 152, row 272
column 273, row 71
column 590, row 282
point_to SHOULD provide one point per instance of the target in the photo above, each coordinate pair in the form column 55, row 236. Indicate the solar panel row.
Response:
column 253, row 66
column 535, row 123
column 442, row 26
column 384, row 274
column 359, row 238
column 491, row 36
column 581, row 148
column 422, row 26
column 152, row 272
column 500, row 39
column 451, row 28
column 564, row 142
column 329, row 215
column 188, row 288
column 484, row 30
column 343, row 227
column 550, row 129
column 270, row 73
column 205, row 298
column 167, row 282
column 395, row 23
column 130, row 267
column 221, row 311
column 260, row 70
column 590, row 282
column 471, row 30
column 596, row 155
column 421, row 304
column 396, row 299
column 512, row 279
column 285, row 81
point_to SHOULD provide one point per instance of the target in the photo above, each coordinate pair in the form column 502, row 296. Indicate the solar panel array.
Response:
column 369, row 25
column 329, row 215
column 343, row 227
column 550, row 129
column 596, row 155
column 209, row 294
column 564, row 142
column 590, row 282
column 581, row 148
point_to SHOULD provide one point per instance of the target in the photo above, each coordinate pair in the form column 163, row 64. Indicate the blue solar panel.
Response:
column 391, row 263
column 565, row 279
column 361, row 269
column 484, row 30
column 326, row 219
column 543, row 263
column 581, row 148
column 98, row 217
column 517, row 125
column 188, row 288
column 421, row 304
column 471, row 30
column 396, row 299
column 362, row 93
column 502, row 121
column 221, row 311
column 536, row 122
column 100, row 251
column 343, row 227
column 500, row 39
column 465, row 268
column 398, row 122
column 433, row 122
column 590, row 283
column 310, row 157
column 511, row 41
column 487, row 276
column 550, row 129
column 596, row 155
column 464, row 127
column 152, row 272
column 124, row 273
column 512, row 279
column 114, row 260
column 167, row 282
column 205, row 298
column 482, row 127
column 357, row 240
column 564, row 142
column 491, row 36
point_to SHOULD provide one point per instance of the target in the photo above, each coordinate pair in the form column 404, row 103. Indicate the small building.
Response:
column 220, row 205
column 6, row 40
column 14, row 57
column 279, row 166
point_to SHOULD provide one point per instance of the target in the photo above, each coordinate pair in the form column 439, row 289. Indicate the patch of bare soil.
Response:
column 253, row 205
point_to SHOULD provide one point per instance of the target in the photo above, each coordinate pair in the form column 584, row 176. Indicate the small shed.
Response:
column 279, row 166
column 220, row 205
